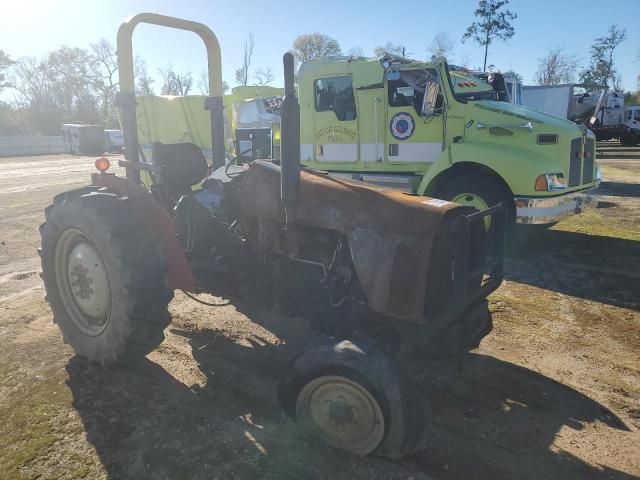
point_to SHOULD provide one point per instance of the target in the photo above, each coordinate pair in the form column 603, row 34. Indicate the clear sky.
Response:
column 33, row 27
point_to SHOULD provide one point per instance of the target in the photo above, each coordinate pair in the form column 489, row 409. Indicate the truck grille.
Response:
column 575, row 162
column 589, row 155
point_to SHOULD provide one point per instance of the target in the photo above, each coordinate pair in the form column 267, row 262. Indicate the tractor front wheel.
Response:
column 104, row 274
column 355, row 398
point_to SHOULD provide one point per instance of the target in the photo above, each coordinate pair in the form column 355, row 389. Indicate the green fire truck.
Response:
column 425, row 128
column 435, row 130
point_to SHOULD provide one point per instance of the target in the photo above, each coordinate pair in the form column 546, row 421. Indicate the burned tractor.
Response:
column 381, row 271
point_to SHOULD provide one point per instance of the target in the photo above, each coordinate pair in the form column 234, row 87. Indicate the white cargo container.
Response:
column 83, row 139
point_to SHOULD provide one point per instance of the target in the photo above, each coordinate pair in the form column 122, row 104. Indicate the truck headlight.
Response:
column 549, row 182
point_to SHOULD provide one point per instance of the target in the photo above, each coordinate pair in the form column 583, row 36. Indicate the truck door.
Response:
column 335, row 129
column 411, row 136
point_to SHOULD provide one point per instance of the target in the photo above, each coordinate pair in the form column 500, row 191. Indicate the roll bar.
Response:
column 126, row 97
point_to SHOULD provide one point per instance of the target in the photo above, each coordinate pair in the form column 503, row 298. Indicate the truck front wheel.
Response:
column 478, row 191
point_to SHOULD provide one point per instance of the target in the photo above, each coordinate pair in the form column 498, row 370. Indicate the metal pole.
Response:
column 290, row 143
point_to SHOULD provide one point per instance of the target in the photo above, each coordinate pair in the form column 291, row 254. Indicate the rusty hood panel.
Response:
column 390, row 234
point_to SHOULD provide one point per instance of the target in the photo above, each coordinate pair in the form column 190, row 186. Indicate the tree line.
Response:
column 75, row 84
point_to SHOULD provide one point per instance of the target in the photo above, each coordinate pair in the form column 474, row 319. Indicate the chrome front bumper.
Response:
column 541, row 211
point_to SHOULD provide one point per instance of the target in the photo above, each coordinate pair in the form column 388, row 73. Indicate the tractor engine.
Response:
column 241, row 255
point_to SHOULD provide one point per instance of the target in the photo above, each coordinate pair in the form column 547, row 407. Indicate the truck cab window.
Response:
column 336, row 94
column 408, row 90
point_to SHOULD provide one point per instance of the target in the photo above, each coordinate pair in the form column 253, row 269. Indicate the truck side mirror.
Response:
column 430, row 101
column 393, row 75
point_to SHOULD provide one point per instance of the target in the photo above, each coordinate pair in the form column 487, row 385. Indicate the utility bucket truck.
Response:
column 601, row 110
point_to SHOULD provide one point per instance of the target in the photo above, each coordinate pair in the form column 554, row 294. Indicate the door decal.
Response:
column 402, row 126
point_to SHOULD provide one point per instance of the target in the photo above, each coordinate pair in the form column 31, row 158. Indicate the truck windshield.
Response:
column 469, row 86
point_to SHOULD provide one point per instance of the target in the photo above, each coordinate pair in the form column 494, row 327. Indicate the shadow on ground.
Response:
column 619, row 189
column 592, row 267
column 492, row 420
column 496, row 420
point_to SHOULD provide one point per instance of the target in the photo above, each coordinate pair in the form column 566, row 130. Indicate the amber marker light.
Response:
column 103, row 164
column 541, row 183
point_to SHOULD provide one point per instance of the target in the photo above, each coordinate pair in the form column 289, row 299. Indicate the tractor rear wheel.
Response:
column 355, row 398
column 104, row 274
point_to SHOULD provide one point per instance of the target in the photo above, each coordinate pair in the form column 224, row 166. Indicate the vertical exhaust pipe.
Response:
column 290, row 144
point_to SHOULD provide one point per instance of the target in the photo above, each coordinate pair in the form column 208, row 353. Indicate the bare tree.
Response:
column 314, row 45
column 464, row 61
column 56, row 88
column 355, row 52
column 30, row 81
column 144, row 82
column 5, row 63
column 493, row 24
column 441, row 45
column 264, row 76
column 203, row 84
column 556, row 67
column 106, row 78
column 399, row 50
column 601, row 70
column 174, row 83
column 242, row 73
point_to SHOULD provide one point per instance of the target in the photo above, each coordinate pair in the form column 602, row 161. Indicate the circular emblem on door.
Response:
column 402, row 126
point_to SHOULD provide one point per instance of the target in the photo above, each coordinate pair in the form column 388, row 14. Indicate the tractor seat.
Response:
column 183, row 165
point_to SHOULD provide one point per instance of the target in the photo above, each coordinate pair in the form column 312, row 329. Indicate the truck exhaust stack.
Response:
column 290, row 157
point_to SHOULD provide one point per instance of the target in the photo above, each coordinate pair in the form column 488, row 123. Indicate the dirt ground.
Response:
column 553, row 391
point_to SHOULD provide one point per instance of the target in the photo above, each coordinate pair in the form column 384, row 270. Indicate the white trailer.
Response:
column 81, row 139
column 113, row 140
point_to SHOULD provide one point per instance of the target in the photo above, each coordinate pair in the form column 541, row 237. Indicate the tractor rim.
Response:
column 344, row 413
column 83, row 282
column 476, row 201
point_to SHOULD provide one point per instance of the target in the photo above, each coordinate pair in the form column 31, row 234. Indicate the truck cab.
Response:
column 253, row 114
column 632, row 116
column 431, row 129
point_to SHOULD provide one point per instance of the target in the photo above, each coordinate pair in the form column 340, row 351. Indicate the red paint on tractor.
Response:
column 180, row 275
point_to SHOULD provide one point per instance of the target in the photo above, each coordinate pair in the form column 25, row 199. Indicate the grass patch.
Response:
column 620, row 173
column 601, row 222
column 26, row 416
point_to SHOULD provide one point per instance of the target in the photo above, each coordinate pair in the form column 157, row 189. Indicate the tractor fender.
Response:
column 180, row 275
